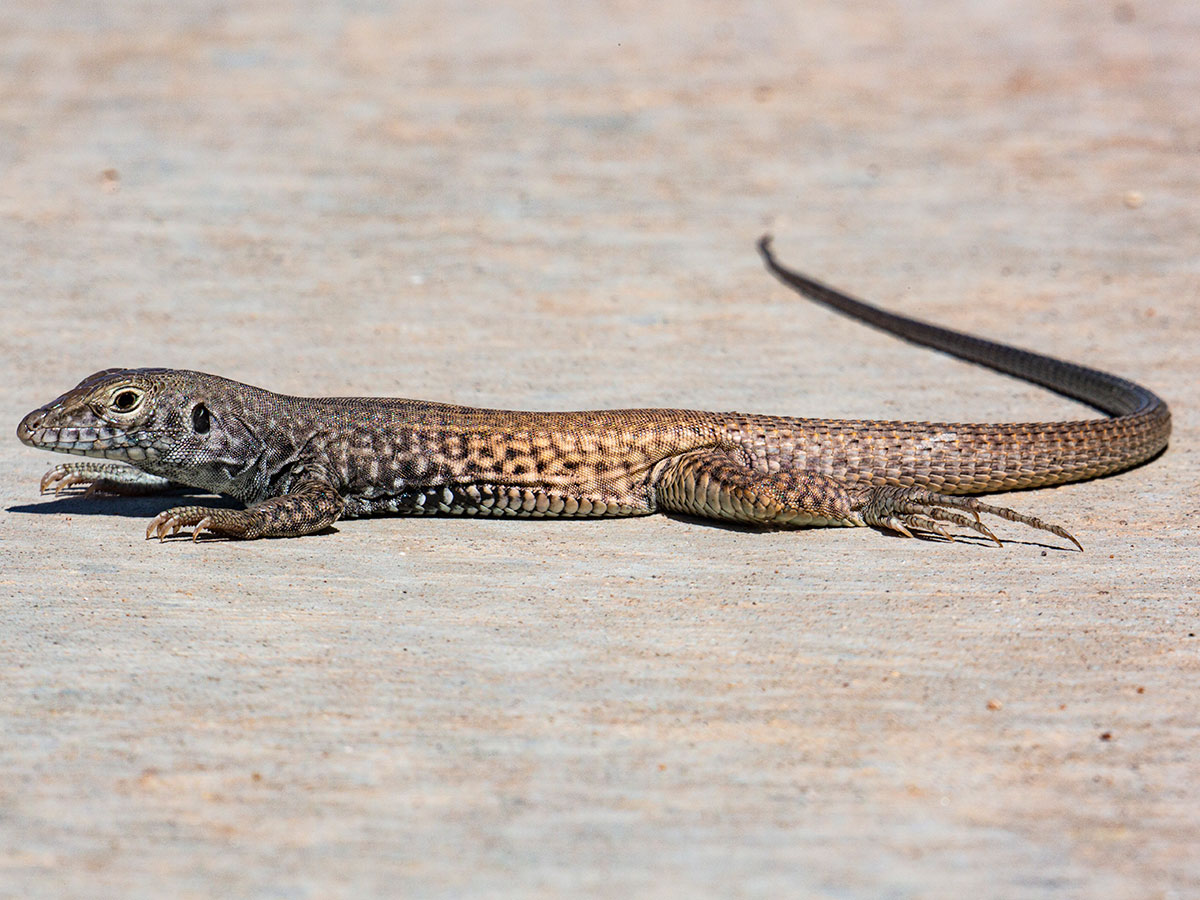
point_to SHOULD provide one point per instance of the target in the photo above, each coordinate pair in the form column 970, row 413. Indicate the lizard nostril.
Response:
column 29, row 424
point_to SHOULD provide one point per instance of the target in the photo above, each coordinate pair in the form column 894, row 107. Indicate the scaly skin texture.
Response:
column 300, row 463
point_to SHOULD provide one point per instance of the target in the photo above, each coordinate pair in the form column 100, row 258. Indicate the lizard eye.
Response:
column 126, row 400
column 200, row 419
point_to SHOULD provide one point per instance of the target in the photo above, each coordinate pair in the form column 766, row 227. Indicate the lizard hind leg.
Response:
column 717, row 484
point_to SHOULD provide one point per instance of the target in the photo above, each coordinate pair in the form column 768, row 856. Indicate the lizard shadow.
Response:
column 137, row 508
column 209, row 537
column 128, row 507
column 969, row 539
column 148, row 507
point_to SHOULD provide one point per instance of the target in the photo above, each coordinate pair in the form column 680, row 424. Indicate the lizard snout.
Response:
column 30, row 425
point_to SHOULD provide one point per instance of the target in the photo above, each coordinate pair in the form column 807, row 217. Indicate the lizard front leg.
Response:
column 104, row 478
column 716, row 484
column 311, row 506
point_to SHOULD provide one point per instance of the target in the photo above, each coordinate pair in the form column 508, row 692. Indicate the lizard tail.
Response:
column 1136, row 406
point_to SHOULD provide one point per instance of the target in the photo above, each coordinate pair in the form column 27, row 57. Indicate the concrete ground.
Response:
column 541, row 205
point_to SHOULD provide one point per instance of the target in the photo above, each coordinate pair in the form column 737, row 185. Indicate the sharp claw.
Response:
column 984, row 530
column 928, row 522
column 61, row 484
column 50, row 479
column 934, row 528
column 199, row 527
column 162, row 526
column 975, row 524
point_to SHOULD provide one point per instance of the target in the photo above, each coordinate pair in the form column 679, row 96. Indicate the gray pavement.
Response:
column 543, row 206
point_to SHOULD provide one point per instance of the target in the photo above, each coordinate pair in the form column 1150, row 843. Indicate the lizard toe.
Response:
column 908, row 509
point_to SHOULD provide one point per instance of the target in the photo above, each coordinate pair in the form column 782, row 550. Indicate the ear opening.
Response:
column 201, row 419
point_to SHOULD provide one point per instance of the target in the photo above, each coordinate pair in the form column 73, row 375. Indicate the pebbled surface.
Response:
column 536, row 208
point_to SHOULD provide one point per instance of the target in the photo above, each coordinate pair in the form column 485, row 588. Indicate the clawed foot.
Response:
column 905, row 510
column 172, row 521
column 60, row 478
column 102, row 478
column 201, row 519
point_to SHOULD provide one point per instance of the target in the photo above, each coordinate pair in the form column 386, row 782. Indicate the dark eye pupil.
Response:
column 200, row 419
column 126, row 400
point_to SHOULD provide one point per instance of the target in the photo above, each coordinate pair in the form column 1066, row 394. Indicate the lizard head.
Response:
column 164, row 421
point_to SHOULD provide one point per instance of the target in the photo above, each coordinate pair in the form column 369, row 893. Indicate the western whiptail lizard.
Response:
column 300, row 464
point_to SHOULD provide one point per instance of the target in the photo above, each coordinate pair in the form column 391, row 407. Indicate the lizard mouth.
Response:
column 86, row 440
column 34, row 432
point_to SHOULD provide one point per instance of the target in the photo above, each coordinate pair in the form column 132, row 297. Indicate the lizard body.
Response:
column 299, row 464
